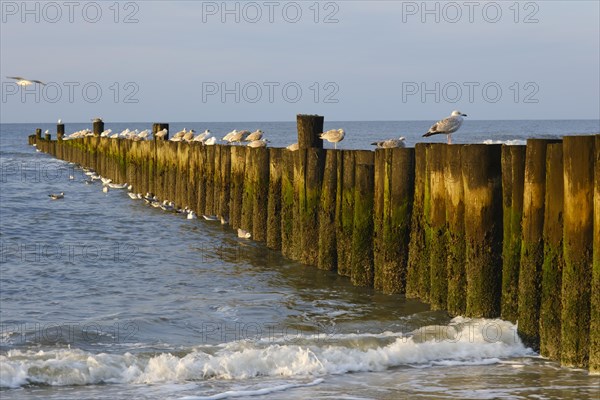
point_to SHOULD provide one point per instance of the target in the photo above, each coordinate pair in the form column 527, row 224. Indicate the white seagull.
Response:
column 25, row 82
column 293, row 147
column 333, row 136
column 258, row 143
column 447, row 126
column 256, row 135
column 58, row 196
column 244, row 234
column 390, row 143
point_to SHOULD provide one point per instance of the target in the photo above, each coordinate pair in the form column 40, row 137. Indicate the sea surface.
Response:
column 104, row 297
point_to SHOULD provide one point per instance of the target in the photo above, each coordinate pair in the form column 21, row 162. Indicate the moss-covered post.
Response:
column 274, row 202
column 482, row 178
column 287, row 204
column 209, row 160
column 532, row 245
column 553, row 257
column 455, row 239
column 578, row 159
column 362, row 235
column 418, row 265
column 594, row 364
column 260, row 179
column 345, row 210
column 309, row 128
column 436, row 226
column 513, row 175
column 327, row 247
column 183, row 151
column 249, row 191
column 313, row 180
column 225, row 170
column 238, row 168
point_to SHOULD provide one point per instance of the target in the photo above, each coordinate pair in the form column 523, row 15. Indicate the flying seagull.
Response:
column 25, row 82
column 447, row 126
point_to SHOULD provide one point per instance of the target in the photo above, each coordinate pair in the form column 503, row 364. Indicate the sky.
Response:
column 170, row 61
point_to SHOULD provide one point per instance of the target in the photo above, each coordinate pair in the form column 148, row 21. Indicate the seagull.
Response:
column 58, row 196
column 390, row 143
column 210, row 217
column 201, row 137
column 333, row 136
column 236, row 136
column 60, row 121
column 96, row 119
column 447, row 126
column 132, row 195
column 293, row 147
column 256, row 135
column 105, row 189
column 191, row 215
column 243, row 234
column 161, row 134
column 25, row 82
column 210, row 141
column 258, row 143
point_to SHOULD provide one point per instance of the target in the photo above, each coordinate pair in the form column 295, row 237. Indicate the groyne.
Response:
column 478, row 230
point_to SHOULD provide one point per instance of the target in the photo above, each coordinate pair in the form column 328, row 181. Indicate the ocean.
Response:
column 104, row 297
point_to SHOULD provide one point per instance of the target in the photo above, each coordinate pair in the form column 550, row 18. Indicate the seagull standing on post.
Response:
column 447, row 126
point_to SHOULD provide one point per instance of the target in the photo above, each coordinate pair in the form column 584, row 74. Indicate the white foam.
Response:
column 463, row 342
column 255, row 392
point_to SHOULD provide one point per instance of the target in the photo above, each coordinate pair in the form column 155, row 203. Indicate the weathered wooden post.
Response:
column 259, row 176
column 97, row 126
column 47, row 137
column 513, row 175
column 309, row 128
column 578, row 159
column 553, row 256
column 60, row 131
column 455, row 217
column 327, row 247
column 394, row 189
column 157, row 127
column 225, row 171
column 417, row 274
column 38, row 134
column 482, row 178
column 238, row 167
column 287, row 205
column 436, row 226
column 274, row 202
column 345, row 211
column 362, row 234
column 595, row 311
column 532, row 245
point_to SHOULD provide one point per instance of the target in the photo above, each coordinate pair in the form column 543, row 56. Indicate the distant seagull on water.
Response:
column 333, row 136
column 447, row 126
column 58, row 196
column 25, row 82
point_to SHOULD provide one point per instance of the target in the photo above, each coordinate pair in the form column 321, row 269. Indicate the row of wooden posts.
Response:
column 478, row 230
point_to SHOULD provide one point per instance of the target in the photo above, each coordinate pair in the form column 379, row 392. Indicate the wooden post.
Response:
column 595, row 306
column 327, row 247
column 225, row 170
column 274, row 203
column 97, row 126
column 260, row 180
column 309, row 128
column 156, row 127
column 310, row 199
column 47, row 137
column 578, row 159
column 248, row 192
column 345, row 210
column 532, row 245
column 182, row 186
column 209, row 171
column 362, row 234
column 513, row 175
column 60, row 131
column 436, row 226
column 482, row 178
column 238, row 163
column 418, row 266
column 38, row 133
column 287, row 205
column 455, row 217
column 553, row 256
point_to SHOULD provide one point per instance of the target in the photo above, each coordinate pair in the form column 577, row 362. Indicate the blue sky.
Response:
column 347, row 60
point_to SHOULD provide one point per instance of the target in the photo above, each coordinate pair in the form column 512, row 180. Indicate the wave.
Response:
column 462, row 342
